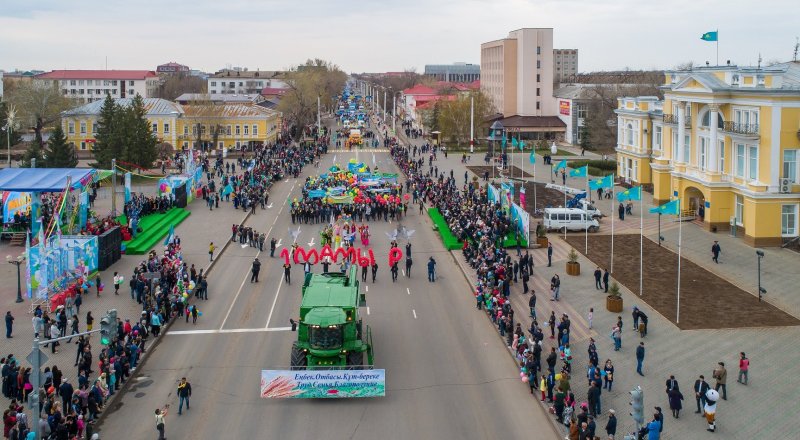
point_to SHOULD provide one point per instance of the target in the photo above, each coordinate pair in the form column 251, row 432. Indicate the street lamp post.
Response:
column 17, row 262
column 497, row 130
column 553, row 151
column 761, row 290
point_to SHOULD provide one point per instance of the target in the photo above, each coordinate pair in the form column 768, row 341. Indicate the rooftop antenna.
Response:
column 759, row 60
column 796, row 47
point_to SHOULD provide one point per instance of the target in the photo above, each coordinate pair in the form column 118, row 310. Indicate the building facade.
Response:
column 456, row 72
column 92, row 85
column 517, row 72
column 573, row 104
column 172, row 68
column 565, row 63
column 220, row 125
column 725, row 140
column 239, row 82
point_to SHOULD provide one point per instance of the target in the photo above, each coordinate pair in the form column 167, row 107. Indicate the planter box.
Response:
column 614, row 304
column 573, row 269
column 542, row 241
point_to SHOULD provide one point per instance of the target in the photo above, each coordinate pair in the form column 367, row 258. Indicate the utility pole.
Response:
column 384, row 105
column 472, row 125
column 318, row 118
column 394, row 113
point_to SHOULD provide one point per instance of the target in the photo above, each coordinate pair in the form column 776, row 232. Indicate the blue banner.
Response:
column 127, row 187
column 83, row 210
column 14, row 202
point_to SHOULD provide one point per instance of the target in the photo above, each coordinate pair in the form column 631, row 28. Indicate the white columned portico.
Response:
column 713, row 153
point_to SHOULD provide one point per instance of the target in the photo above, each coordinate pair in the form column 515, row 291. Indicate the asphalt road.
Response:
column 447, row 373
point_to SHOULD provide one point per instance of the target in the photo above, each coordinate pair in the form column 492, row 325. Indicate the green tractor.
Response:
column 330, row 333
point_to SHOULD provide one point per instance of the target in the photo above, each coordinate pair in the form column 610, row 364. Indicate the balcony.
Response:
column 673, row 119
column 750, row 130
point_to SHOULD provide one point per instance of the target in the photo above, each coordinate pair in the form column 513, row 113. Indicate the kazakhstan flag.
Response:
column 532, row 157
column 669, row 208
column 514, row 142
column 605, row 183
column 710, row 36
column 634, row 193
column 561, row 165
column 579, row 172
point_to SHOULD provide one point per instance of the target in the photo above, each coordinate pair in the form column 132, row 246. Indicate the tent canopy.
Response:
column 44, row 179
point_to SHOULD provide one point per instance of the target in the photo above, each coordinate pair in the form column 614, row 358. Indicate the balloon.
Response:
column 524, row 379
column 558, row 376
column 521, row 374
column 199, row 313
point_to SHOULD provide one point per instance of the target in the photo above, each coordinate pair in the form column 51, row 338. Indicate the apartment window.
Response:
column 539, row 50
column 246, row 130
column 739, row 212
column 213, row 83
column 185, row 145
column 73, row 91
column 194, row 129
column 687, row 147
column 155, row 128
column 221, row 145
column 83, row 145
column 83, row 127
column 88, row 91
column 130, row 83
column 538, row 105
column 538, row 78
column 228, row 130
column 238, row 145
column 752, row 159
column 657, row 135
column 73, row 82
column 114, row 91
column 80, row 82
column 538, row 64
column 241, row 84
column 790, row 165
column 789, row 220
column 166, row 128
column 739, row 160
column 185, row 130
column 94, row 127
column 238, row 130
column 131, row 92
column 721, row 148
column 71, row 128
column 255, row 130
column 97, row 91
column 745, row 116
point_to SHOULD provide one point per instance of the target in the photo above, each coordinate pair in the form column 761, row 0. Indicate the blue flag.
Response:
column 579, row 172
column 561, row 165
column 505, row 141
column 634, row 193
column 514, row 142
column 521, row 145
column 605, row 183
column 710, row 36
column 170, row 236
column 532, row 157
column 669, row 208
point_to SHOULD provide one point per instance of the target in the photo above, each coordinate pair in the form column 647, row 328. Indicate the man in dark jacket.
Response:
column 255, row 270
column 598, row 274
column 65, row 391
column 700, row 388
column 184, row 392
column 611, row 425
column 605, row 280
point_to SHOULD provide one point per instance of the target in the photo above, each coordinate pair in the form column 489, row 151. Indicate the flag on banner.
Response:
column 710, row 36
column 28, row 264
column 669, row 208
column 521, row 145
column 579, row 172
column 504, row 141
column 634, row 193
column 532, row 157
column 170, row 236
column 604, row 182
column 560, row 165
column 514, row 142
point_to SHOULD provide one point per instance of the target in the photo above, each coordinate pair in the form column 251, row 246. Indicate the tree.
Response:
column 60, row 154
column 140, row 144
column 453, row 117
column 107, row 143
column 34, row 151
column 40, row 104
column 173, row 86
column 308, row 82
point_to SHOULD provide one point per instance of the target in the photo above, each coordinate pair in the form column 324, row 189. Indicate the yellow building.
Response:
column 725, row 140
column 235, row 125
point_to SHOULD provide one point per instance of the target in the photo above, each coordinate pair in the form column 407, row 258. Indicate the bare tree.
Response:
column 40, row 104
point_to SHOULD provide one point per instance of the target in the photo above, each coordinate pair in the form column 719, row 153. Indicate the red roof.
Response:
column 98, row 74
column 268, row 91
column 420, row 89
column 421, row 101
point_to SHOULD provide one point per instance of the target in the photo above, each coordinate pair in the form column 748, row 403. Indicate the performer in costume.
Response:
column 710, row 409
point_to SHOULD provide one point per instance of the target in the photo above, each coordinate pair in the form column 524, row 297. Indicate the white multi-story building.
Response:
column 240, row 82
column 93, row 85
column 565, row 63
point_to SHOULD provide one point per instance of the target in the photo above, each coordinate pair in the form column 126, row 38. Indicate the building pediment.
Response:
column 698, row 83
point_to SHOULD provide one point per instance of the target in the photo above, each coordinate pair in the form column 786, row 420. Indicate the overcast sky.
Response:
column 381, row 35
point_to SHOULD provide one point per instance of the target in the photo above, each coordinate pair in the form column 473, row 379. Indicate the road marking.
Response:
column 229, row 330
column 414, row 312
column 408, row 290
column 271, row 309
column 404, row 272
column 311, row 244
column 279, row 243
column 367, row 288
column 367, row 310
column 269, row 206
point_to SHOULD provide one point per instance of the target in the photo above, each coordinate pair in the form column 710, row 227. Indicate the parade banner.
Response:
column 83, row 210
column 493, row 194
column 322, row 384
column 127, row 187
column 14, row 202
column 521, row 220
column 59, row 260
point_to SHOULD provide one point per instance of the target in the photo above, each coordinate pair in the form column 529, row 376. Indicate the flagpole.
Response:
column 680, row 228
column 613, row 197
column 586, row 231
column 565, row 203
column 717, row 47
column 641, row 243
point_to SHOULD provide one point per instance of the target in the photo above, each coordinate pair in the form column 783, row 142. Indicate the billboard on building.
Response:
column 563, row 107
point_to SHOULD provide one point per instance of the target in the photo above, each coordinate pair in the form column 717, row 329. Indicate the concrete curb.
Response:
column 558, row 427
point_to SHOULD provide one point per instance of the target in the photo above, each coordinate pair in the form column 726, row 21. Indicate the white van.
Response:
column 573, row 219
column 590, row 208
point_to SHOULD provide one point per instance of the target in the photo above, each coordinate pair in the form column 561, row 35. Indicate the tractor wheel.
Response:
column 355, row 360
column 298, row 361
